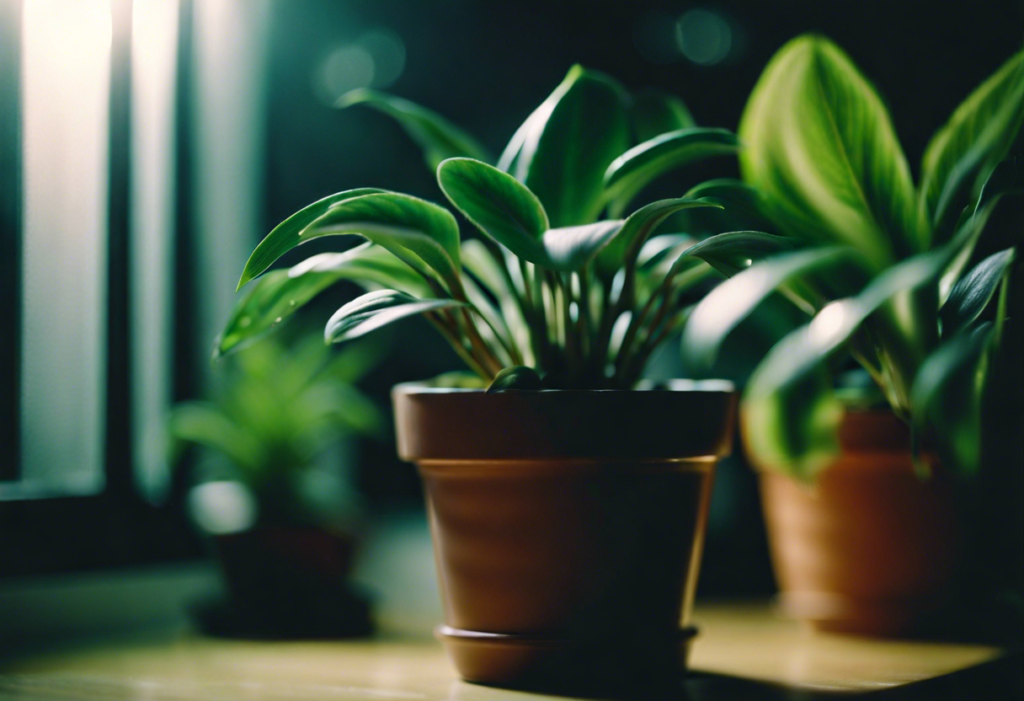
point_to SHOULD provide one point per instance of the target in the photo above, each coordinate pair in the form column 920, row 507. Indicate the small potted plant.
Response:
column 904, row 280
column 278, row 506
column 567, row 504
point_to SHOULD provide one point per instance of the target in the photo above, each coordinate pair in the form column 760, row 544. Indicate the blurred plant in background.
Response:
column 280, row 504
column 278, row 414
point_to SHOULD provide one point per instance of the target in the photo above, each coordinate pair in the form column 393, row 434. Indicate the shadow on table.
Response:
column 998, row 680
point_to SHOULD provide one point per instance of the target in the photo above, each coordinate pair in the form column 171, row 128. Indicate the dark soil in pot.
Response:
column 870, row 547
column 567, row 527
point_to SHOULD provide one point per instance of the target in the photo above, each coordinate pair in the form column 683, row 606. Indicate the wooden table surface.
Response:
column 744, row 652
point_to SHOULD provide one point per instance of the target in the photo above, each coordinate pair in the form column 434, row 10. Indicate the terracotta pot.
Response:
column 567, row 525
column 870, row 547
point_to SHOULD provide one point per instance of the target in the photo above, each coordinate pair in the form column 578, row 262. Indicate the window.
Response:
column 130, row 162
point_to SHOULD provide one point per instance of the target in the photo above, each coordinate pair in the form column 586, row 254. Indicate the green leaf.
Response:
column 735, row 251
column 727, row 305
column 638, row 228
column 367, row 264
column 274, row 298
column 498, row 204
column 654, row 112
column 571, row 247
column 628, row 174
column 571, row 140
column 412, row 229
column 821, row 147
column 288, row 234
column 973, row 292
column 1006, row 179
column 516, row 379
column 792, row 413
column 376, row 309
column 947, row 396
column 439, row 138
column 978, row 136
column 743, row 204
column 281, row 293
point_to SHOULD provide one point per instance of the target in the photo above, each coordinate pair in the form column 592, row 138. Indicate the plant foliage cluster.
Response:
column 566, row 280
column 279, row 408
column 572, row 286
column 904, row 278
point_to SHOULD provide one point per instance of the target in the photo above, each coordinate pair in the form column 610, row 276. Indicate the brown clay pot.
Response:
column 870, row 547
column 567, row 525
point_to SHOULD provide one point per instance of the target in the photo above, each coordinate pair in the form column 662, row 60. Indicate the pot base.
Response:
column 560, row 664
column 833, row 613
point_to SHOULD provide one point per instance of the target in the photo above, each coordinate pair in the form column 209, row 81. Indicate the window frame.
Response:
column 116, row 527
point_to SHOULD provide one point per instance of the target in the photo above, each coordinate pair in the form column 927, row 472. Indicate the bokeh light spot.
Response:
column 704, row 37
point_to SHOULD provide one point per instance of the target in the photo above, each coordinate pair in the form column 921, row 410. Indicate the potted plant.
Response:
column 904, row 280
column 278, row 506
column 567, row 505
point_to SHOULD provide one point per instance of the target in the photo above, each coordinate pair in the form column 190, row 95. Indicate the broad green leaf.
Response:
column 978, row 136
column 412, row 229
column 439, row 138
column 736, row 251
column 736, row 298
column 509, row 159
column 820, row 145
column 973, row 292
column 375, row 309
column 498, row 204
column 267, row 304
column 571, row 247
column 654, row 112
column 571, row 140
column 281, row 293
column 792, row 413
column 628, row 174
column 287, row 235
column 947, row 396
column 367, row 264
column 638, row 228
column 744, row 208
column 516, row 379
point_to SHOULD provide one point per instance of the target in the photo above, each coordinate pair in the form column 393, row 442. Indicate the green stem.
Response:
column 480, row 347
column 635, row 324
column 586, row 321
column 456, row 344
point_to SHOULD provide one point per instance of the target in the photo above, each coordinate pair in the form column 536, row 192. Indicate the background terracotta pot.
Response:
column 567, row 525
column 870, row 547
column 286, row 582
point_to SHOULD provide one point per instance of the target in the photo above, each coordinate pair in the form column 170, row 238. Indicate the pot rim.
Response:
column 691, row 419
column 709, row 386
